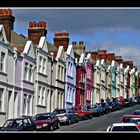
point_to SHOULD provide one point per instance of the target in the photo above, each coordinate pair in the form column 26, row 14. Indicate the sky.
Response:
column 116, row 30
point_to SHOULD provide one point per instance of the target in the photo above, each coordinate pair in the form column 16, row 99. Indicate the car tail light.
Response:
column 65, row 115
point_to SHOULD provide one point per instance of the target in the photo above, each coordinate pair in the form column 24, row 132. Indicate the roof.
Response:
column 51, row 48
column 18, row 39
column 124, row 124
column 44, row 113
column 136, row 110
column 20, row 118
column 131, row 115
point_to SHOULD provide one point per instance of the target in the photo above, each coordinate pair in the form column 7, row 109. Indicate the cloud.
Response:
column 81, row 20
column 127, row 51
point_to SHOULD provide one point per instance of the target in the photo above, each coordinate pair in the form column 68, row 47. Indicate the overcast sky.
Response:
column 116, row 30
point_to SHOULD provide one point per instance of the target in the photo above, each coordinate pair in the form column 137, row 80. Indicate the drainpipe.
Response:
column 14, row 75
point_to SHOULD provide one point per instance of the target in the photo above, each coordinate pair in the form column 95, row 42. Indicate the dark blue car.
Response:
column 97, row 109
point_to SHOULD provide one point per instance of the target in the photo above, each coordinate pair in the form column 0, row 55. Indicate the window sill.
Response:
column 42, row 74
column 2, row 113
column 70, row 76
column 60, row 81
column 44, row 106
column 28, row 82
column 3, row 73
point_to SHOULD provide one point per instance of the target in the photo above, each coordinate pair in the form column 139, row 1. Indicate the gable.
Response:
column 43, row 44
column 70, row 51
column 3, row 35
column 60, row 53
column 82, row 58
column 103, row 62
column 89, row 58
column 29, row 50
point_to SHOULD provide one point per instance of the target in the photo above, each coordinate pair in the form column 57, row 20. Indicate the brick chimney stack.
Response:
column 36, row 30
column 61, row 39
column 7, row 20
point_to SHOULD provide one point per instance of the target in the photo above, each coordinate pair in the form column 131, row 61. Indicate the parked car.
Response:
column 97, row 109
column 82, row 112
column 127, row 103
column 46, row 121
column 123, row 127
column 131, row 118
column 121, row 101
column 88, row 112
column 112, row 106
column 19, row 124
column 67, row 116
column 138, row 99
column 132, row 101
column 136, row 112
column 106, row 107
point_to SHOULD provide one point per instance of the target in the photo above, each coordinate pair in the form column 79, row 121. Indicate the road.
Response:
column 98, row 123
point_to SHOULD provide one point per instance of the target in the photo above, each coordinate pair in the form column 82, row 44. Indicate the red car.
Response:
column 131, row 119
column 83, row 113
column 46, row 121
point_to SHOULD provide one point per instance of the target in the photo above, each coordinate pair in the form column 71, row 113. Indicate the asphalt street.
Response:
column 98, row 123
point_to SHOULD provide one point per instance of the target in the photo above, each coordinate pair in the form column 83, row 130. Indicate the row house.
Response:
column 43, row 92
column 81, row 81
column 3, row 74
column 132, row 82
column 103, row 80
column 80, row 73
column 97, row 79
column 70, row 78
column 62, row 39
column 58, row 76
column 18, row 93
column 113, row 75
column 108, row 81
column 119, row 76
column 128, row 65
column 137, row 83
column 89, row 78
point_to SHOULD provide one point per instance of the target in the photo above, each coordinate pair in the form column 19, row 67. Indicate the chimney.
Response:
column 36, row 30
column 61, row 39
column 7, row 20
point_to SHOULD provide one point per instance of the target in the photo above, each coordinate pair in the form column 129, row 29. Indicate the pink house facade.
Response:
column 89, row 79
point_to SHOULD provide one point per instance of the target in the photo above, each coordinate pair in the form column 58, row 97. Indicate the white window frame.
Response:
column 43, row 96
column 2, row 61
column 44, row 66
column 1, row 99
column 40, row 64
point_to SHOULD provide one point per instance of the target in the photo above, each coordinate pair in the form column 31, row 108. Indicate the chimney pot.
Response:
column 35, row 35
column 7, row 20
column 1, row 12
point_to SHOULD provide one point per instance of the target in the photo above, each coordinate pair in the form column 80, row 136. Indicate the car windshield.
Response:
column 136, row 113
column 62, row 111
column 43, row 117
column 94, row 106
column 125, row 128
column 85, row 109
column 135, row 120
column 13, row 123
column 131, row 120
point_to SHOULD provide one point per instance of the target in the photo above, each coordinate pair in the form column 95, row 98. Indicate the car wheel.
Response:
column 52, row 128
column 90, row 116
column 58, row 125
column 99, row 114
column 69, row 121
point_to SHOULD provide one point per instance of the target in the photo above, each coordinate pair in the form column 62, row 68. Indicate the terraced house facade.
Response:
column 37, row 76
